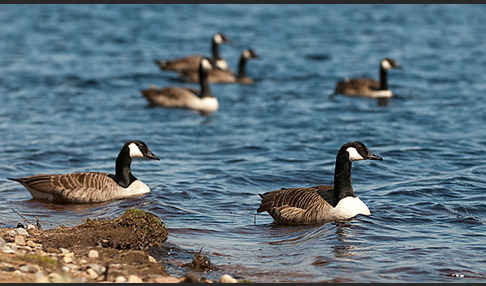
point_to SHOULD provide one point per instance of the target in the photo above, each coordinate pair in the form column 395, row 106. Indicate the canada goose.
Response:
column 226, row 76
column 313, row 205
column 191, row 63
column 368, row 87
column 92, row 187
column 183, row 97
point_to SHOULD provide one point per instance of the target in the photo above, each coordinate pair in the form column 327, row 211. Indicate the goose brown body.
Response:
column 92, row 187
column 225, row 76
column 297, row 206
column 88, row 187
column 320, row 204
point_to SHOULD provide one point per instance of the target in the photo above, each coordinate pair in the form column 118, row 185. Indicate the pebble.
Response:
column 67, row 259
column 151, row 259
column 97, row 268
column 7, row 250
column 63, row 250
column 19, row 239
column 93, row 254
column 134, row 279
column 120, row 279
column 83, row 261
column 66, row 269
column 22, row 231
column 18, row 272
column 2, row 242
column 29, row 268
column 41, row 278
column 92, row 274
column 227, row 279
column 167, row 279
column 11, row 233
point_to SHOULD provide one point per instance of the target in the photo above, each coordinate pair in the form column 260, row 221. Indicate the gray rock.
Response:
column 29, row 268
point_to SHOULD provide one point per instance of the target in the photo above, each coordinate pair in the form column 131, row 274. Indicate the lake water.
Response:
column 70, row 81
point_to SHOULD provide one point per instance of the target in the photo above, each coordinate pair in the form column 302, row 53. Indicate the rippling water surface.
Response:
column 70, row 78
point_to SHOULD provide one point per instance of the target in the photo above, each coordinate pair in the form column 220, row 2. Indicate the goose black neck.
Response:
column 123, row 175
column 204, row 83
column 215, row 51
column 241, row 67
column 342, row 177
column 383, row 79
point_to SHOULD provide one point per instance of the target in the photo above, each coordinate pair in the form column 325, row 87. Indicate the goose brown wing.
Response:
column 169, row 96
column 190, row 63
column 356, row 85
column 74, row 187
column 301, row 198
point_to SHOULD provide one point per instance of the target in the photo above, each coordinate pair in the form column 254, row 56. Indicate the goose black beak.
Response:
column 374, row 157
column 151, row 156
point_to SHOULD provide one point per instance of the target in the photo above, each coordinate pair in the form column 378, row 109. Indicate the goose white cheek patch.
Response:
column 354, row 154
column 206, row 65
column 386, row 65
column 218, row 39
column 135, row 151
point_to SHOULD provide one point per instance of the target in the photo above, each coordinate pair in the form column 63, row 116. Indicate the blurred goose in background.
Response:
column 191, row 63
column 319, row 204
column 92, row 187
column 183, row 97
column 368, row 87
column 226, row 76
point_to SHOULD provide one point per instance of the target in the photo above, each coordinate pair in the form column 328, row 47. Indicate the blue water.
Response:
column 70, row 81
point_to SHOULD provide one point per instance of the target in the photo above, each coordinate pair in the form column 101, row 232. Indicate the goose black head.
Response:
column 138, row 149
column 388, row 63
column 250, row 54
column 356, row 151
column 220, row 38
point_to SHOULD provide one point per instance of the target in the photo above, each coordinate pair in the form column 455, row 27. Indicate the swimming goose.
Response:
column 92, row 187
column 319, row 204
column 191, row 63
column 183, row 97
column 226, row 76
column 368, row 87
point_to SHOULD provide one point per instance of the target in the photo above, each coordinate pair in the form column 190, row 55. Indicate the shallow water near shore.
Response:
column 70, row 82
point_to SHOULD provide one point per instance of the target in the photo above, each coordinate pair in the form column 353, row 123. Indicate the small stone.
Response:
column 29, row 268
column 98, row 268
column 22, row 231
column 65, row 269
column 2, row 242
column 93, row 254
column 83, row 261
column 167, row 279
column 134, row 279
column 151, row 259
column 120, row 279
column 31, row 227
column 91, row 273
column 19, row 239
column 18, row 272
column 64, row 251
column 67, row 259
column 7, row 250
column 227, row 279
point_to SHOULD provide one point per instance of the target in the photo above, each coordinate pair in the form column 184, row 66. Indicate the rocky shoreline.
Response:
column 100, row 250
